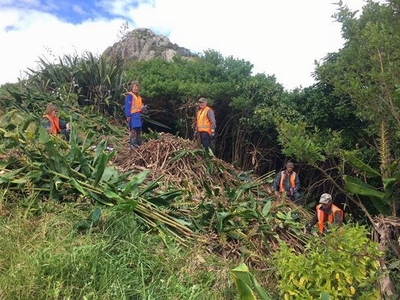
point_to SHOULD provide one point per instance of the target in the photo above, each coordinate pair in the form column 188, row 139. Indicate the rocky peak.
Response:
column 143, row 44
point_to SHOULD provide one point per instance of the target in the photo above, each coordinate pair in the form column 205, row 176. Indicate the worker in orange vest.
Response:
column 326, row 213
column 205, row 124
column 287, row 181
column 53, row 124
column 134, row 108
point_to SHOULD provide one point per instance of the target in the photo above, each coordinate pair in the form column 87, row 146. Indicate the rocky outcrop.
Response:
column 143, row 44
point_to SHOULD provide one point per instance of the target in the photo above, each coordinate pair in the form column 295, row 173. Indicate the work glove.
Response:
column 195, row 135
column 212, row 133
column 145, row 109
column 292, row 190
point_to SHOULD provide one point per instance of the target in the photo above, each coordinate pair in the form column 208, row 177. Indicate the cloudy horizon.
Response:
column 280, row 38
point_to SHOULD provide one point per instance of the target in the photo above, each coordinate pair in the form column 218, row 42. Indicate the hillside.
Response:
column 143, row 44
column 166, row 206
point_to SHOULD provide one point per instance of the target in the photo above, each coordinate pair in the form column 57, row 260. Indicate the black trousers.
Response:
column 205, row 139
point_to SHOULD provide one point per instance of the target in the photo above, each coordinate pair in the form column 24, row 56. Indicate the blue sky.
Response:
column 281, row 38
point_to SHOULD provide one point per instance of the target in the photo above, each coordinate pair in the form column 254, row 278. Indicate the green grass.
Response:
column 42, row 256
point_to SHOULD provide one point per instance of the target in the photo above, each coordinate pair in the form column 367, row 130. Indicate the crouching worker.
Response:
column 326, row 213
column 53, row 124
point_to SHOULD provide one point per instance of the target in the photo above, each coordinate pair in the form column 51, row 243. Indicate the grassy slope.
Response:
column 42, row 256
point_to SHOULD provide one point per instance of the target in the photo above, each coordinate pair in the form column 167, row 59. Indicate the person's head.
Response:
column 202, row 102
column 325, row 200
column 51, row 110
column 289, row 166
column 135, row 86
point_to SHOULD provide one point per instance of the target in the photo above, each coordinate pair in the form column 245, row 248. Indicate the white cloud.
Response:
column 35, row 34
column 281, row 38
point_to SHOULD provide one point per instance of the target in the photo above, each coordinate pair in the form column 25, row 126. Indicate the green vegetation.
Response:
column 45, row 256
column 169, row 221
column 343, row 265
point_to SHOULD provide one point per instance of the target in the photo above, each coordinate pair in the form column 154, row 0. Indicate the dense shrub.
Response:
column 343, row 264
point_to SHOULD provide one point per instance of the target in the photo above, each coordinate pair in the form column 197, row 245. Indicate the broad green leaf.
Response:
column 242, row 281
column 99, row 199
column 389, row 183
column 99, row 152
column 325, row 296
column 99, row 167
column 18, row 181
column 127, row 206
column 78, row 186
column 139, row 178
column 112, row 195
column 151, row 186
column 83, row 162
column 357, row 163
column 381, row 205
column 164, row 198
column 87, row 142
column 357, row 186
column 44, row 137
column 110, row 174
column 266, row 208
column 96, row 215
column 34, row 175
column 261, row 292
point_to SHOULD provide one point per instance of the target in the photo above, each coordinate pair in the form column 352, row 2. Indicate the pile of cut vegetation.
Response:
column 236, row 211
column 180, row 162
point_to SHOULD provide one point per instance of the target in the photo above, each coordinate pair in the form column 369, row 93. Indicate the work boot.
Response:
column 132, row 143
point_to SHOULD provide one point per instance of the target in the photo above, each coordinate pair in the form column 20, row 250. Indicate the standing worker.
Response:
column 133, row 112
column 53, row 124
column 287, row 181
column 205, row 124
column 326, row 213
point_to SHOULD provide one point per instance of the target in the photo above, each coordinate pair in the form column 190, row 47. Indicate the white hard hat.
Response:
column 325, row 198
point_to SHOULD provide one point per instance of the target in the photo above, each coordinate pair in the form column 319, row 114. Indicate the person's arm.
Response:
column 63, row 124
column 128, row 104
column 143, row 106
column 337, row 217
column 297, row 182
column 275, row 185
column 46, row 124
column 211, row 117
column 313, row 221
column 310, row 224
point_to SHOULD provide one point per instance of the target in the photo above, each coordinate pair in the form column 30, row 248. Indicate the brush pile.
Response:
column 234, row 211
column 179, row 161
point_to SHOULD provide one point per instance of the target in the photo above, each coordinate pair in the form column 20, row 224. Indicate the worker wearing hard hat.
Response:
column 326, row 213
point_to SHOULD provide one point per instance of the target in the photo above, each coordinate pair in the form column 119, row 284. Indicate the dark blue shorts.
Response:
column 136, row 121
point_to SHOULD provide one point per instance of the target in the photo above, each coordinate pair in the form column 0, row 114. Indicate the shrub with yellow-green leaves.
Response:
column 343, row 264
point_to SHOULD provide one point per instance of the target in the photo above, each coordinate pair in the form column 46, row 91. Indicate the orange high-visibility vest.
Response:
column 136, row 103
column 292, row 179
column 55, row 124
column 203, row 122
column 321, row 216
